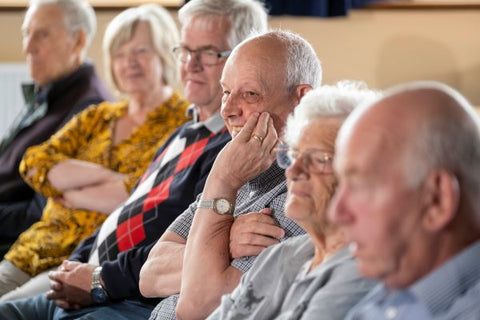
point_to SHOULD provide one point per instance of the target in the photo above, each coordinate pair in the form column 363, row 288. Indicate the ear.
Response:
column 300, row 91
column 442, row 197
column 80, row 41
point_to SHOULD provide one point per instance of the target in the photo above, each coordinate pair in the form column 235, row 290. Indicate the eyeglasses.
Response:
column 313, row 160
column 206, row 56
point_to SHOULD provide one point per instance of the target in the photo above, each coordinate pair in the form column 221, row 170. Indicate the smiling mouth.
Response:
column 194, row 81
column 236, row 130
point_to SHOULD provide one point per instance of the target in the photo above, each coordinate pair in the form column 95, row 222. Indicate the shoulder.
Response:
column 109, row 109
column 299, row 247
column 178, row 103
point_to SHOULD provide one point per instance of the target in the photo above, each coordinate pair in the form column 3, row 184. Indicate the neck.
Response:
column 205, row 111
column 142, row 103
column 326, row 244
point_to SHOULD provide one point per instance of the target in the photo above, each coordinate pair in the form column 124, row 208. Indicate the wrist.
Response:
column 97, row 291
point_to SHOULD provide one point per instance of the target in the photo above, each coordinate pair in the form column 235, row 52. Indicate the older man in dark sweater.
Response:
column 56, row 35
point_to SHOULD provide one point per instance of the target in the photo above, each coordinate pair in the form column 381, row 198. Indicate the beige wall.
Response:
column 382, row 47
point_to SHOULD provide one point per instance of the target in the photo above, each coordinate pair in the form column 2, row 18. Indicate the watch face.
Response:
column 223, row 206
column 98, row 295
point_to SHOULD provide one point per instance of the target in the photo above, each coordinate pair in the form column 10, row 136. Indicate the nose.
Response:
column 296, row 170
column 28, row 44
column 338, row 209
column 193, row 64
column 230, row 106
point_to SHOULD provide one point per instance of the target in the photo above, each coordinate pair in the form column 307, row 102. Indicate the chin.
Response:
column 295, row 209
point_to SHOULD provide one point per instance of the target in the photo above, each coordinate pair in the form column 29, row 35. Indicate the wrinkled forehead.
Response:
column 258, row 60
column 50, row 13
column 215, row 27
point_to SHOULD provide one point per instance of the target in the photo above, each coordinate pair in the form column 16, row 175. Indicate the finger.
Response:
column 54, row 275
column 266, row 211
column 261, row 129
column 246, row 251
column 64, row 304
column 70, row 265
column 263, row 231
column 53, row 295
column 247, row 130
column 251, row 220
column 55, row 285
column 254, row 239
column 271, row 138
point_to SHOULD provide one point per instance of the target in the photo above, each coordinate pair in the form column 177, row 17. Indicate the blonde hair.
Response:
column 164, row 34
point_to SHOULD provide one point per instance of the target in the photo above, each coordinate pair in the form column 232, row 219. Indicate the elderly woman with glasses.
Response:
column 311, row 276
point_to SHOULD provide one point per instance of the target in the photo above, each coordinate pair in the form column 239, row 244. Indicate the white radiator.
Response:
column 11, row 100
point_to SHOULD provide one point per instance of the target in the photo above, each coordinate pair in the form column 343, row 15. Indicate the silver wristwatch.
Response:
column 219, row 205
column 98, row 292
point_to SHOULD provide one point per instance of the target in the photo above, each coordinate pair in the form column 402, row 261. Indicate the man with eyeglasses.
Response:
column 263, row 80
column 121, row 246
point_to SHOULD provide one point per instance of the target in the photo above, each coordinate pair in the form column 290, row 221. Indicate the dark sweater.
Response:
column 64, row 97
column 164, row 192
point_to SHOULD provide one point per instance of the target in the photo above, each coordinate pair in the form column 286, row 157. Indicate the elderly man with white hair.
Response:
column 56, row 36
column 409, row 175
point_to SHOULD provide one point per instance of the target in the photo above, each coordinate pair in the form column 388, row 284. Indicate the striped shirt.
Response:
column 452, row 291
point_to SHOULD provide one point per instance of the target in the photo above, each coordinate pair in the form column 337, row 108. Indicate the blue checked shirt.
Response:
column 268, row 190
column 450, row 292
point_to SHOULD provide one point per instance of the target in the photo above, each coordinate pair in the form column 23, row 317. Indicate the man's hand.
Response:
column 70, row 285
column 250, row 153
column 251, row 233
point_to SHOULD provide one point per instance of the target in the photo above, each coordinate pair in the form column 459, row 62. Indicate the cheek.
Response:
column 157, row 66
column 324, row 190
column 117, row 72
column 183, row 73
column 297, row 208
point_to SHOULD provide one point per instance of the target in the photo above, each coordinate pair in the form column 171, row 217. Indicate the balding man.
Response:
column 56, row 36
column 409, row 169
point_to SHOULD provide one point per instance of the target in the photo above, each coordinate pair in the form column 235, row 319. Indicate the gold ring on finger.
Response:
column 258, row 138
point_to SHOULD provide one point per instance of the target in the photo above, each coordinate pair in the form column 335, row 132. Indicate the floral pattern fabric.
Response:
column 88, row 137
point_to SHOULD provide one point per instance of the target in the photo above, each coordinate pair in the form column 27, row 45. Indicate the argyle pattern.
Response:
column 125, row 228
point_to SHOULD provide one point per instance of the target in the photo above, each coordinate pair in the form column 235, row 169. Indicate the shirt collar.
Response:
column 214, row 124
column 450, row 280
column 33, row 95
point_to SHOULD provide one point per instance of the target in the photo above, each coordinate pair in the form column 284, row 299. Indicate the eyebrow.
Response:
column 207, row 47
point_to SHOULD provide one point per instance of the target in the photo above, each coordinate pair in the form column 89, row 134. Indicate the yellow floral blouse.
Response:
column 88, row 136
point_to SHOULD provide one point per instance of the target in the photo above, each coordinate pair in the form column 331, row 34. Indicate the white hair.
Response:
column 78, row 15
column 245, row 16
column 327, row 101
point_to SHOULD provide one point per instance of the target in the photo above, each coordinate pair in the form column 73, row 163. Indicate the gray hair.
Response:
column 303, row 66
column 164, row 34
column 448, row 140
column 327, row 101
column 245, row 16
column 78, row 15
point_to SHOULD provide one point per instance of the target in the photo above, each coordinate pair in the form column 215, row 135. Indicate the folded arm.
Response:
column 207, row 253
column 161, row 274
column 91, row 187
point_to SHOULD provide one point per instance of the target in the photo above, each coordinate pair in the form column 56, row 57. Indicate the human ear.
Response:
column 441, row 199
column 300, row 91
column 80, row 41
